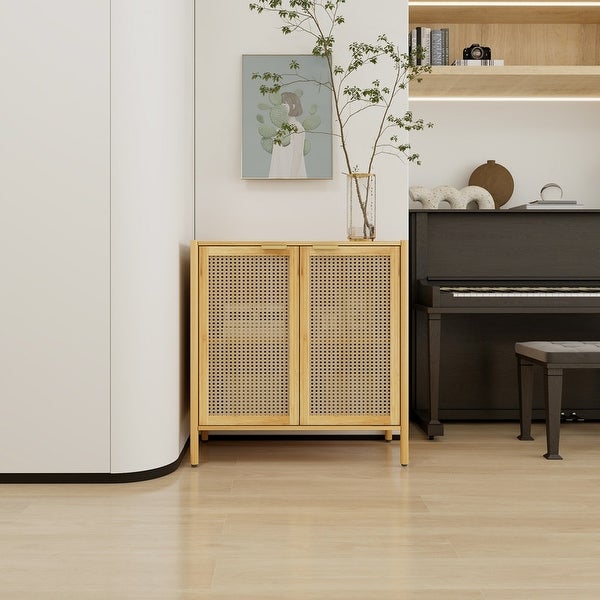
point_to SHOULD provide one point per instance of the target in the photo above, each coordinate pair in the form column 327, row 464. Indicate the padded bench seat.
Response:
column 554, row 357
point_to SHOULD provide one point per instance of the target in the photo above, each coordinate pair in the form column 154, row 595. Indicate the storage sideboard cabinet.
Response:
column 299, row 336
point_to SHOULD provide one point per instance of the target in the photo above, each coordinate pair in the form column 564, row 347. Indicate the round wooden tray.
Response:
column 496, row 179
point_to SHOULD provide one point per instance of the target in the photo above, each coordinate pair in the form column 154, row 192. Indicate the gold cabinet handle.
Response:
column 325, row 246
column 274, row 246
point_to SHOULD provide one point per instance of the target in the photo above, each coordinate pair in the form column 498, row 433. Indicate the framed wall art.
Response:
column 303, row 101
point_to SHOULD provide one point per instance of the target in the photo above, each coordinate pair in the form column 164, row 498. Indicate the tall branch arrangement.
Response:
column 318, row 20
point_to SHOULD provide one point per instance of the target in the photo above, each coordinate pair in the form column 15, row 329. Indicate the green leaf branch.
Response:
column 318, row 21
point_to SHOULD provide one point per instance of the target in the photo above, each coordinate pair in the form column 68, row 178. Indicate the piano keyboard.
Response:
column 522, row 292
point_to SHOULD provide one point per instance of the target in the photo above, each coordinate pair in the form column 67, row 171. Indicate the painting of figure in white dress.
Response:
column 287, row 159
column 286, row 134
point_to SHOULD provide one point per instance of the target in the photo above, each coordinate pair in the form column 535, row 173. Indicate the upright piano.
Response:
column 481, row 281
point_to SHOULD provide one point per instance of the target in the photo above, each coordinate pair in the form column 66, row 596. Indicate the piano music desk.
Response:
column 554, row 357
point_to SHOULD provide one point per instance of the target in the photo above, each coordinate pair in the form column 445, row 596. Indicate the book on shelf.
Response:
column 445, row 46
column 420, row 39
column 492, row 62
column 434, row 44
column 436, row 47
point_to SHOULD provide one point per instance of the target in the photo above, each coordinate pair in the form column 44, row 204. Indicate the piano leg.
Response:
column 525, row 378
column 553, row 379
column 434, row 327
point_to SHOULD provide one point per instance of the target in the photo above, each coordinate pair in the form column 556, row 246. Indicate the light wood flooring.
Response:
column 476, row 515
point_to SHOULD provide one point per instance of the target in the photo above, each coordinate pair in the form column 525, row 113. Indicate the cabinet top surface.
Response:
column 282, row 244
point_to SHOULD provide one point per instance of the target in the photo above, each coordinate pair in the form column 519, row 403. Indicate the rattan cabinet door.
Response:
column 248, row 334
column 349, row 335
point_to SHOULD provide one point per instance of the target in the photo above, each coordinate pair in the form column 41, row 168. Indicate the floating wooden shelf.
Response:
column 422, row 13
column 509, row 82
column 560, row 39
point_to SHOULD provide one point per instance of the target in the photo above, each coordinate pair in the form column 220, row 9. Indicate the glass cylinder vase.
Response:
column 360, row 209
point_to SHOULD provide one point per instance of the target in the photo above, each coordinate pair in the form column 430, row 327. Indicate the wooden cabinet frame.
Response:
column 331, row 326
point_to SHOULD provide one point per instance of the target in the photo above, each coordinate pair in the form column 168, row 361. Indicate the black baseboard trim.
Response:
column 94, row 477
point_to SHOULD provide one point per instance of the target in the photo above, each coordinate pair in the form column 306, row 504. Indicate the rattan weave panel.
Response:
column 350, row 335
column 248, row 335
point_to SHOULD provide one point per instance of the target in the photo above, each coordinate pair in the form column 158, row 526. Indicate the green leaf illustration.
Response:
column 267, row 144
column 278, row 115
column 267, row 131
column 311, row 122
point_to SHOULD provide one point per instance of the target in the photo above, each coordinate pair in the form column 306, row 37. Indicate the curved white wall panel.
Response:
column 151, row 226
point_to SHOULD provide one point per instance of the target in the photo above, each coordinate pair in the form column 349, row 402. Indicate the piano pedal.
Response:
column 570, row 416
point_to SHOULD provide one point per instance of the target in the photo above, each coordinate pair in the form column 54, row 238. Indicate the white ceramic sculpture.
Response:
column 431, row 198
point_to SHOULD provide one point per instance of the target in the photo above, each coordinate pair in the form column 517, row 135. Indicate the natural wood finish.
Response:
column 299, row 312
column 479, row 515
column 516, row 82
column 291, row 254
column 295, row 428
column 517, row 12
column 281, row 245
column 303, row 336
column 194, row 356
column 201, row 281
column 548, row 51
column 404, row 353
column 529, row 45
column 305, row 320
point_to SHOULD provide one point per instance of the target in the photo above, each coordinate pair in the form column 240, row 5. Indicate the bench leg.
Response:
column 553, row 379
column 525, row 377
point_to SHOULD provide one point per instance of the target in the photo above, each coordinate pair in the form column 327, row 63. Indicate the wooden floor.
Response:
column 476, row 515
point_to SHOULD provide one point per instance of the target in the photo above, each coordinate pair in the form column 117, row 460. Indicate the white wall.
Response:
column 152, row 196
column 538, row 142
column 229, row 208
column 54, row 236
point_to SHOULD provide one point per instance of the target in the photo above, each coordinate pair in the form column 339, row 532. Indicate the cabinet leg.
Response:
column 194, row 449
column 388, row 435
column 204, row 436
column 404, row 445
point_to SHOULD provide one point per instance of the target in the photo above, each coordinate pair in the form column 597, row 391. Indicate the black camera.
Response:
column 477, row 52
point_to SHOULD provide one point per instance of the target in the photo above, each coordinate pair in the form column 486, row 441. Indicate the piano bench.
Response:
column 554, row 357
